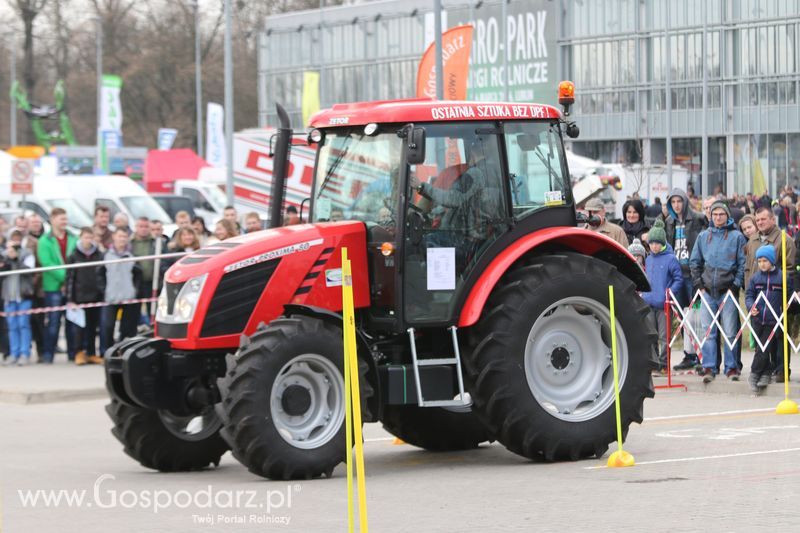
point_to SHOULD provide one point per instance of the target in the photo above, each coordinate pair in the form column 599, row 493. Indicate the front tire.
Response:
column 541, row 358
column 163, row 441
column 283, row 400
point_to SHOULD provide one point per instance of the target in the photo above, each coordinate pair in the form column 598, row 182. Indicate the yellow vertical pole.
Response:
column 348, row 410
column 620, row 457
column 787, row 406
column 351, row 368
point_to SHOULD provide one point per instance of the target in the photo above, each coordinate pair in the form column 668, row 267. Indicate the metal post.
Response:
column 156, row 276
column 228, row 102
column 321, row 45
column 12, row 108
column 198, row 79
column 704, row 185
column 437, row 32
column 668, row 41
column 504, row 16
column 99, row 64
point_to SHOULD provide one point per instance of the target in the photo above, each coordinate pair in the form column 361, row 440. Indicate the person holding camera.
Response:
column 18, row 297
column 596, row 208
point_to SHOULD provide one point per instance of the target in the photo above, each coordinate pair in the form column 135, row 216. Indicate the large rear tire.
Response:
column 435, row 428
column 166, row 442
column 283, row 400
column 540, row 362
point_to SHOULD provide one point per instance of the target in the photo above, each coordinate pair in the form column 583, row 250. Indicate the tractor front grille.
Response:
column 235, row 298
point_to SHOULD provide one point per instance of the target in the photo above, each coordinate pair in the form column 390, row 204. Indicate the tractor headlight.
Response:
column 161, row 306
column 186, row 302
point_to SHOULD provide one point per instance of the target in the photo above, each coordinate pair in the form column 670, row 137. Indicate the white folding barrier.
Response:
column 684, row 324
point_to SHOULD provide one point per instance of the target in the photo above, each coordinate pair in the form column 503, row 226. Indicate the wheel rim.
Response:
column 307, row 401
column 194, row 427
column 568, row 359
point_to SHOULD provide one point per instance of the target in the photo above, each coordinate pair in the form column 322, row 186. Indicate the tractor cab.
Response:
column 440, row 194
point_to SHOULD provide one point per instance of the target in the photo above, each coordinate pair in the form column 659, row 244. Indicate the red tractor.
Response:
column 481, row 308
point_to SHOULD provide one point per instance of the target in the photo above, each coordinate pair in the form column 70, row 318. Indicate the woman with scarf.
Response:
column 633, row 223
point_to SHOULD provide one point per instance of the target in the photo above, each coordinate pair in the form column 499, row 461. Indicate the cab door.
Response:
column 461, row 209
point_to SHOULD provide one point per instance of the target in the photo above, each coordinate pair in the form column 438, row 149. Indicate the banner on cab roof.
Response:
column 456, row 47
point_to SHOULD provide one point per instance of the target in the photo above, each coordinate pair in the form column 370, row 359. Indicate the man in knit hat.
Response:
column 663, row 273
column 595, row 207
column 717, row 264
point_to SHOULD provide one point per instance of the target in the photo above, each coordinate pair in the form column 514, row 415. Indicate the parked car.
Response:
column 48, row 193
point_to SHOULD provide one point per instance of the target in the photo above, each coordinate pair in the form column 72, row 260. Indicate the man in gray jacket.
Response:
column 118, row 282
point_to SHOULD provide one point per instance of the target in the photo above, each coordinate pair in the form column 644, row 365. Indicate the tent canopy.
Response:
column 163, row 167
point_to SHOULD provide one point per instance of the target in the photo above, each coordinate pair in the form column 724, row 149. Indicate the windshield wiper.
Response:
column 334, row 166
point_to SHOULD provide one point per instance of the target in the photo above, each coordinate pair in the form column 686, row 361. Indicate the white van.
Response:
column 208, row 200
column 48, row 193
column 119, row 194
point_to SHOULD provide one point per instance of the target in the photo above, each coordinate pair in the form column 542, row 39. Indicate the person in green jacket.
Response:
column 54, row 248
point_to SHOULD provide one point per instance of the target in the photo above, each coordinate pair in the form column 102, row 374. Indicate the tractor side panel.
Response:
column 576, row 239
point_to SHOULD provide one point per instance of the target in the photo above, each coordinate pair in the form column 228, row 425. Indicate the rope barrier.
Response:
column 69, row 266
column 55, row 308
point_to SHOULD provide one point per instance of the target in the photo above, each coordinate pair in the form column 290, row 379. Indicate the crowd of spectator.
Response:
column 29, row 244
column 711, row 247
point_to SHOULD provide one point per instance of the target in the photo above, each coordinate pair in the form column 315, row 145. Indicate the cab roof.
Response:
column 428, row 110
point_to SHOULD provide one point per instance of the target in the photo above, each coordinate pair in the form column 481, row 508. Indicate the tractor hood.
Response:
column 214, row 295
column 260, row 246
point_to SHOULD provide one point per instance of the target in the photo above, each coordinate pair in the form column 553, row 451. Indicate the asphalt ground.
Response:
column 710, row 462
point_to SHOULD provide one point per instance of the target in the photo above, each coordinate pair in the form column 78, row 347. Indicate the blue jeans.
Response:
column 19, row 329
column 53, row 326
column 729, row 318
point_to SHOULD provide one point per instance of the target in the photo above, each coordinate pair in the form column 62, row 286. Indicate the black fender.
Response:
column 364, row 352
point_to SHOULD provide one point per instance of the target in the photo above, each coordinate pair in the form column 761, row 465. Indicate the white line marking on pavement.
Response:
column 720, row 433
column 716, row 413
column 378, row 439
column 702, row 458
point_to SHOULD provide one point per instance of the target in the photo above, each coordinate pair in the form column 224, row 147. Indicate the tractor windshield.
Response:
column 357, row 177
column 535, row 170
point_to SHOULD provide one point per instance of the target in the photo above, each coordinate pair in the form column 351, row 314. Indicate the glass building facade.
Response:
column 712, row 86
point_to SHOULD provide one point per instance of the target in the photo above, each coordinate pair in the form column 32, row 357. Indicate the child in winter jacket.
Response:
column 664, row 272
column 769, row 282
column 82, row 287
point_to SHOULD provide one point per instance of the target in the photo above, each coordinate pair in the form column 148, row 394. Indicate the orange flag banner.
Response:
column 456, row 47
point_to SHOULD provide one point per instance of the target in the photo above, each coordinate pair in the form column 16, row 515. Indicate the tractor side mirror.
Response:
column 573, row 130
column 415, row 150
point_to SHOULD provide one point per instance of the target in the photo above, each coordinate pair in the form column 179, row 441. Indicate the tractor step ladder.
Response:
column 463, row 398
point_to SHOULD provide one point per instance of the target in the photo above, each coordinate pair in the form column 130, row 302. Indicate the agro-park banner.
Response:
column 530, row 46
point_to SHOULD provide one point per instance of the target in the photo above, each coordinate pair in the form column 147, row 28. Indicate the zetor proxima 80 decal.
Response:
column 481, row 306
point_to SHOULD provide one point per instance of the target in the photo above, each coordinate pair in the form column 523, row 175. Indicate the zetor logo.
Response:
column 339, row 121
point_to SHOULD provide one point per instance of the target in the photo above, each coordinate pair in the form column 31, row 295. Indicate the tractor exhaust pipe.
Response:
column 280, row 165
